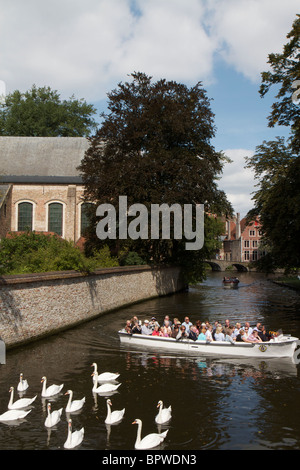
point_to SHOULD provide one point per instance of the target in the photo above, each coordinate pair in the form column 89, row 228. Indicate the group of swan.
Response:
column 16, row 410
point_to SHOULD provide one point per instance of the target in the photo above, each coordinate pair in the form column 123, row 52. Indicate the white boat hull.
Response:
column 283, row 348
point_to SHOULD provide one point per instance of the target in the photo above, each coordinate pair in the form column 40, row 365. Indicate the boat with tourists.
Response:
column 283, row 346
column 231, row 282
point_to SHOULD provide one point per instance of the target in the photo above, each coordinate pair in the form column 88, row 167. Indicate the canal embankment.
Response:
column 33, row 306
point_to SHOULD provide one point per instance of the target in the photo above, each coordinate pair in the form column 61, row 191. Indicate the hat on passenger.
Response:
column 146, row 321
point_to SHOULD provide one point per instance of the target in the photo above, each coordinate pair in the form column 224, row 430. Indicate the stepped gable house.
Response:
column 40, row 186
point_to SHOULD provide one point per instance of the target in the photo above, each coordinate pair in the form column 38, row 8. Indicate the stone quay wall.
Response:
column 33, row 306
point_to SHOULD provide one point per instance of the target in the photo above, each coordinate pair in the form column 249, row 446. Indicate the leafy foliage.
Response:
column 41, row 112
column 34, row 253
column 277, row 164
column 154, row 146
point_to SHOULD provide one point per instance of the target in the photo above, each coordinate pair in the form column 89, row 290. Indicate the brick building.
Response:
column 40, row 186
column 241, row 241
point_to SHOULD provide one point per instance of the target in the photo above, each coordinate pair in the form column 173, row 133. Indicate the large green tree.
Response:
column 41, row 112
column 276, row 164
column 154, row 146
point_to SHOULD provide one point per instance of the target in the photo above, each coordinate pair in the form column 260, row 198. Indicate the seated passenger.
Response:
column 145, row 330
column 166, row 329
column 136, row 329
column 254, row 338
column 152, row 323
column 193, row 333
column 219, row 336
column 208, row 333
column 229, row 335
column 127, row 327
column 202, row 335
column 262, row 333
column 175, row 331
column 156, row 331
column 182, row 333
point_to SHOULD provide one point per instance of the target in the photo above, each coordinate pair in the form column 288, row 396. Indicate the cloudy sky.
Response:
column 87, row 48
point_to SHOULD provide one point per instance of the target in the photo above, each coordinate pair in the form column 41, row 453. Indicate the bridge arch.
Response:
column 222, row 265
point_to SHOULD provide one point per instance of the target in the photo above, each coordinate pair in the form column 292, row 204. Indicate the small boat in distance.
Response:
column 230, row 282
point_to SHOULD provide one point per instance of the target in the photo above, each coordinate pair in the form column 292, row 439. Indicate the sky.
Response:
column 87, row 48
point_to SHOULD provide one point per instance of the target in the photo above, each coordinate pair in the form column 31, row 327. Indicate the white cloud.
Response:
column 237, row 181
column 86, row 48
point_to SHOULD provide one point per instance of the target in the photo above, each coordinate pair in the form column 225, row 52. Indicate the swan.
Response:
column 50, row 391
column 53, row 417
column 74, row 405
column 18, row 404
column 164, row 414
column 23, row 384
column 12, row 415
column 113, row 416
column 149, row 441
column 105, row 388
column 74, row 438
column 105, row 376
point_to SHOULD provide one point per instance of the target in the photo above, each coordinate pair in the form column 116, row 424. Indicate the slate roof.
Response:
column 41, row 159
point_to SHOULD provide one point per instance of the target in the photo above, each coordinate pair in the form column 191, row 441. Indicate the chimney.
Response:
column 238, row 226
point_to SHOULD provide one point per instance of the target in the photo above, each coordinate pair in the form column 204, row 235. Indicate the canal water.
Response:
column 217, row 403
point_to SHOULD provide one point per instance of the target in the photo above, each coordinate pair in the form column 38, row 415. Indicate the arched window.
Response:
column 25, row 210
column 55, row 218
column 84, row 219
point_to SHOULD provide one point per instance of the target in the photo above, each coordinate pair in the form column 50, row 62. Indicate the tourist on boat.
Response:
column 157, row 331
column 176, row 322
column 167, row 321
column 208, row 333
column 239, row 336
column 253, row 337
column 229, row 335
column 227, row 330
column 166, row 329
column 262, row 333
column 193, row 333
column 258, row 324
column 202, row 335
column 248, row 328
column 127, row 327
column 136, row 329
column 236, row 330
column 187, row 324
column 182, row 333
column 175, row 330
column 145, row 330
column 152, row 323
column 219, row 335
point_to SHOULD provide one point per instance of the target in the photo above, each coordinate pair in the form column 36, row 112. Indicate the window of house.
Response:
column 254, row 243
column 55, row 218
column 254, row 255
column 246, row 243
column 252, row 233
column 25, row 211
column 246, row 255
column 84, row 220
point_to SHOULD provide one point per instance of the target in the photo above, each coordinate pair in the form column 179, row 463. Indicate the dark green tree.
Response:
column 276, row 164
column 154, row 146
column 41, row 112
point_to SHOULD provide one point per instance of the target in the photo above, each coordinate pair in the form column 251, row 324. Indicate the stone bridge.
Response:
column 221, row 265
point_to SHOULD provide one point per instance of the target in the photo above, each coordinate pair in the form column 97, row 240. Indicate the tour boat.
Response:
column 284, row 346
column 231, row 282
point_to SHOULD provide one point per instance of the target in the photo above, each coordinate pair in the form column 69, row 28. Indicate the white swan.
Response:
column 164, row 414
column 105, row 388
column 19, row 404
column 12, row 415
column 113, row 416
column 53, row 417
column 149, row 441
column 73, row 405
column 104, row 376
column 50, row 391
column 74, row 438
column 23, row 384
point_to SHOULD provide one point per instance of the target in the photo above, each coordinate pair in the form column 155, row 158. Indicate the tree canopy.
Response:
column 276, row 163
column 40, row 112
column 154, row 146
